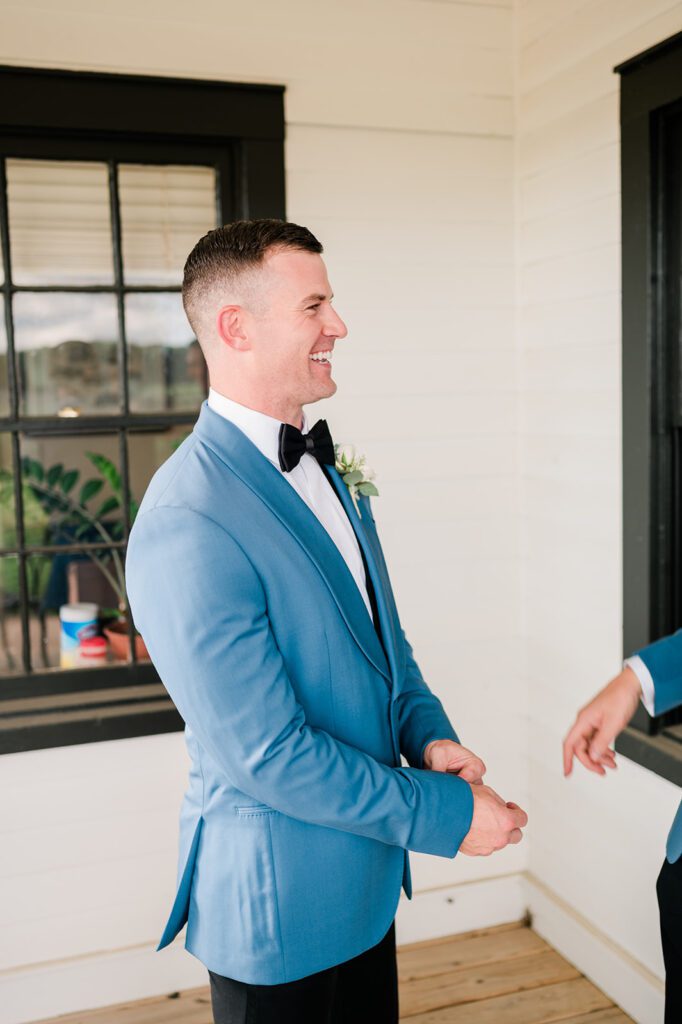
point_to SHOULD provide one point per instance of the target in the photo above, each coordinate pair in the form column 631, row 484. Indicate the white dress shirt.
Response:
column 307, row 479
column 645, row 681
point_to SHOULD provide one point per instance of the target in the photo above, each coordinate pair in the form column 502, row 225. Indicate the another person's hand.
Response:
column 599, row 722
column 494, row 825
column 448, row 756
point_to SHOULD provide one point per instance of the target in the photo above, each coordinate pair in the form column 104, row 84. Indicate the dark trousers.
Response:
column 669, row 890
column 364, row 989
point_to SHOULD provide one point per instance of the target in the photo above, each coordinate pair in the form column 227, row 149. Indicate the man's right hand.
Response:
column 494, row 825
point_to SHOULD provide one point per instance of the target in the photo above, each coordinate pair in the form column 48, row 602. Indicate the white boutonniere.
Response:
column 356, row 474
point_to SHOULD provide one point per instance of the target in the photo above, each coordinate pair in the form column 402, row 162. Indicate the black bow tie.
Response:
column 293, row 444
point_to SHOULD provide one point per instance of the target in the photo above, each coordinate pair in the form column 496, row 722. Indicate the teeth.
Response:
column 322, row 357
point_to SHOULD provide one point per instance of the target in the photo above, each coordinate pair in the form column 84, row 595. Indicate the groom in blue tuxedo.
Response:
column 654, row 676
column 264, row 599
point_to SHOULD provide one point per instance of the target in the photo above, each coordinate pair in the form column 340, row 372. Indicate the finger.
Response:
column 472, row 771
column 519, row 816
column 586, row 761
column 576, row 735
column 515, row 836
column 602, row 741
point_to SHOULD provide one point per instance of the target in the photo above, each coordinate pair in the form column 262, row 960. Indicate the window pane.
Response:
column 166, row 367
column 8, row 533
column 72, row 491
column 147, row 450
column 67, row 354
column 164, row 212
column 72, row 608
column 4, row 392
column 10, row 619
column 59, row 222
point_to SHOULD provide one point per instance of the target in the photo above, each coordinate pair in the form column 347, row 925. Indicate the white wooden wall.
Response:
column 598, row 844
column 400, row 156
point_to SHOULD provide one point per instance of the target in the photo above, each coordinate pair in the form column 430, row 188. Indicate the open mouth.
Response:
column 322, row 357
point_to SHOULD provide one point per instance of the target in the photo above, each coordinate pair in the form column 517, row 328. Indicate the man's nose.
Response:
column 335, row 325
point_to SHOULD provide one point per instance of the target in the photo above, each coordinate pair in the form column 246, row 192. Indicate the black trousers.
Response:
column 364, row 989
column 669, row 891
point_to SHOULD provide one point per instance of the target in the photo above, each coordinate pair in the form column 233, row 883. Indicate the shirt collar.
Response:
column 261, row 430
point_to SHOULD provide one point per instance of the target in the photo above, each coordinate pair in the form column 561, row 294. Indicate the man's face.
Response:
column 297, row 326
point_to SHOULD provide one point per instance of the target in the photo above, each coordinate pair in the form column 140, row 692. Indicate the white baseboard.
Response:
column 625, row 980
column 460, row 908
column 89, row 982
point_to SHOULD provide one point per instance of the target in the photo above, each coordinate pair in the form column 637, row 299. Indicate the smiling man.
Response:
column 264, row 599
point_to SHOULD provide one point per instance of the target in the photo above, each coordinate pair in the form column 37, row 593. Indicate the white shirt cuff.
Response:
column 645, row 681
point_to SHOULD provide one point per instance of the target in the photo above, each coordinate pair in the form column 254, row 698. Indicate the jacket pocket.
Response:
column 249, row 810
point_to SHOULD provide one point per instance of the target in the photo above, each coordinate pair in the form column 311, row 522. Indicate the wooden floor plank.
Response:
column 513, row 926
column 190, row 1007
column 484, row 982
column 505, row 975
column 544, row 1005
column 612, row 1015
column 424, row 961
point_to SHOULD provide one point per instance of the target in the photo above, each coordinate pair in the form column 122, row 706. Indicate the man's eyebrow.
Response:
column 316, row 297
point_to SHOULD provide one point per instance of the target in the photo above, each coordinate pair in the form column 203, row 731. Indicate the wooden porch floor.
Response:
column 505, row 975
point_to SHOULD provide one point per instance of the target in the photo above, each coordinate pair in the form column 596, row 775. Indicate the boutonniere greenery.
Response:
column 356, row 474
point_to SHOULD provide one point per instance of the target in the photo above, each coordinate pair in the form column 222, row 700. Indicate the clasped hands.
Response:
column 495, row 824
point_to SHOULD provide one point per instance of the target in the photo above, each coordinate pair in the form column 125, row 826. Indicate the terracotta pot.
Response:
column 117, row 635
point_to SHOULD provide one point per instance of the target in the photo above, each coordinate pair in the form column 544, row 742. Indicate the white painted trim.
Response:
column 432, row 913
column 84, row 983
column 623, row 978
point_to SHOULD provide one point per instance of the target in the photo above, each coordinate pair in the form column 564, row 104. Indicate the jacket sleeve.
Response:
column 421, row 716
column 201, row 607
column 664, row 661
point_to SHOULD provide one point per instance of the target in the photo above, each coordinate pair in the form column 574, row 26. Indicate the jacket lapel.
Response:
column 388, row 616
column 234, row 449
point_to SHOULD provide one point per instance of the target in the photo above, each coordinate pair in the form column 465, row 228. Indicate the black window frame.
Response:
column 51, row 114
column 650, row 96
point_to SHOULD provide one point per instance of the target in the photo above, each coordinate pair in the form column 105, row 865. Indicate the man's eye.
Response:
column 316, row 306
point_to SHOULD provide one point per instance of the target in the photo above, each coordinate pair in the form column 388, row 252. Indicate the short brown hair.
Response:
column 224, row 253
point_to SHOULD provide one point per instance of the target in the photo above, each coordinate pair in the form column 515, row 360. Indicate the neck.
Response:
column 276, row 406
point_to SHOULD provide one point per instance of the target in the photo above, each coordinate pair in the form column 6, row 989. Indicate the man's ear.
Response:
column 231, row 328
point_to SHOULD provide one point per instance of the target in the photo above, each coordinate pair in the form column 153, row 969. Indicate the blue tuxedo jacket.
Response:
column 664, row 661
column 298, row 816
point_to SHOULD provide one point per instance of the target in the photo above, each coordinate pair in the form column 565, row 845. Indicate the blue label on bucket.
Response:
column 74, row 632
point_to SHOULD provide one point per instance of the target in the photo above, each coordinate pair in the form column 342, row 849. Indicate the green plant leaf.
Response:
column 108, row 470
column 89, row 489
column 368, row 489
column 352, row 478
column 69, row 480
column 54, row 474
column 107, row 506
column 31, row 467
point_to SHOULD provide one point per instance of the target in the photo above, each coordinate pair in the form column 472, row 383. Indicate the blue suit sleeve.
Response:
column 664, row 661
column 201, row 608
column 421, row 715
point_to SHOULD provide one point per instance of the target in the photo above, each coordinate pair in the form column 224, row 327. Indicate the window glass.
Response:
column 8, row 533
column 149, row 449
column 4, row 392
column 164, row 211
column 11, row 662
column 67, row 354
column 166, row 367
column 73, row 620
column 59, row 221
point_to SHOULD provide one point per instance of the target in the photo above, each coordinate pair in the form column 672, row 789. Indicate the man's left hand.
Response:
column 448, row 756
